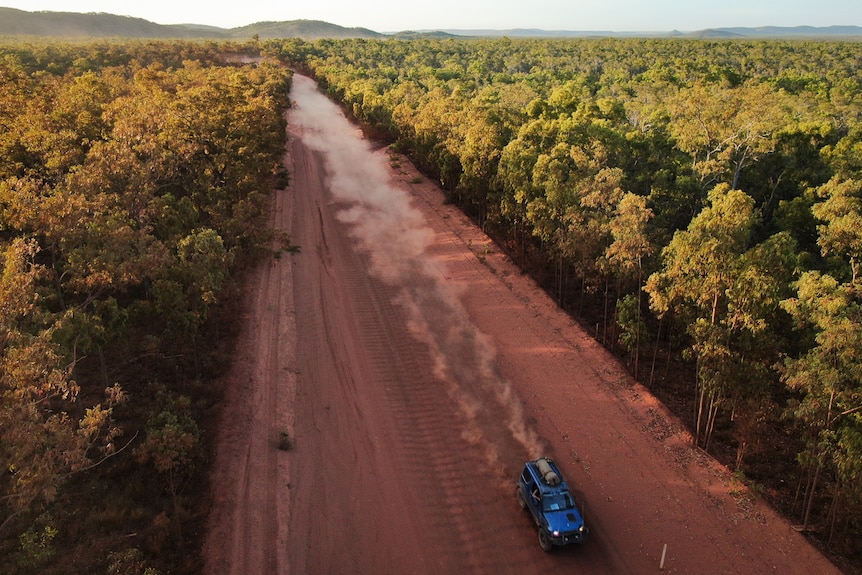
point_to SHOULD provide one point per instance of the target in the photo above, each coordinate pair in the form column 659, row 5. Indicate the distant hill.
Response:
column 537, row 33
column 305, row 29
column 413, row 35
column 782, row 32
column 95, row 25
column 100, row 25
column 828, row 32
column 15, row 22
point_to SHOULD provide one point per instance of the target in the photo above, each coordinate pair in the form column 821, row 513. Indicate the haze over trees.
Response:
column 697, row 203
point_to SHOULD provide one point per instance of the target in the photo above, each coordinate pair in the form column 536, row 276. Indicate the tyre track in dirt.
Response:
column 348, row 508
column 442, row 470
column 249, row 472
column 418, row 416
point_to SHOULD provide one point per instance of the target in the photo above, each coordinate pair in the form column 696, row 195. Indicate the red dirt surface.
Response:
column 414, row 370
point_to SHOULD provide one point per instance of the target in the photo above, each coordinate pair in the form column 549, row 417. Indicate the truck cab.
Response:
column 542, row 491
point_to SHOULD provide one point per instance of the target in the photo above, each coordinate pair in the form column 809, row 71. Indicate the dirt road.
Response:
column 415, row 370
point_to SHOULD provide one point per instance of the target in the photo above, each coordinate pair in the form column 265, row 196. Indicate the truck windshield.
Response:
column 557, row 502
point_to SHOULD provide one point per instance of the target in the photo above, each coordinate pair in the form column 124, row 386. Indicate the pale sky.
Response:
column 400, row 15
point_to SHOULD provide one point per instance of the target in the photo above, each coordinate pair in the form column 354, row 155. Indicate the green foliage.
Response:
column 172, row 444
column 633, row 330
column 841, row 213
column 37, row 548
column 828, row 378
column 129, row 562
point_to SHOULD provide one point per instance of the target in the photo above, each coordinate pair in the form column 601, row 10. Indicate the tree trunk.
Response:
column 833, row 513
column 799, row 490
column 177, row 519
column 605, row 314
column 655, row 351
column 701, row 393
column 712, row 412
column 809, row 503
column 740, row 454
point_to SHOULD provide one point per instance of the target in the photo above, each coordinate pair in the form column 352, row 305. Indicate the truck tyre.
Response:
column 545, row 540
column 519, row 493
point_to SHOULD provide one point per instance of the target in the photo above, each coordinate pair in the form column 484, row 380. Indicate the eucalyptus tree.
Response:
column 560, row 177
column 724, row 291
column 827, row 379
column 828, row 375
column 727, row 128
column 625, row 255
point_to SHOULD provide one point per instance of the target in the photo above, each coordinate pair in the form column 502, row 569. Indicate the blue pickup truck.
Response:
column 542, row 491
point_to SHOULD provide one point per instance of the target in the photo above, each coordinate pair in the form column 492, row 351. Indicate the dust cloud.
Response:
column 394, row 234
